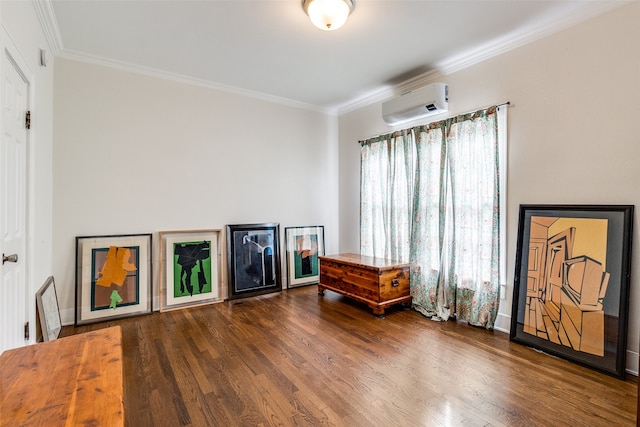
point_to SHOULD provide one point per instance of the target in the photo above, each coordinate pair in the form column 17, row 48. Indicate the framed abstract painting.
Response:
column 253, row 259
column 113, row 277
column 571, row 284
column 190, row 268
column 304, row 245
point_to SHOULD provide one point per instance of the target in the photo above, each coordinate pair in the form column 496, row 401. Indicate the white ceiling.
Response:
column 270, row 49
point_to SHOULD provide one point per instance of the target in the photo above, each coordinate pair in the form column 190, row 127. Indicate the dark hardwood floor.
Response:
column 296, row 358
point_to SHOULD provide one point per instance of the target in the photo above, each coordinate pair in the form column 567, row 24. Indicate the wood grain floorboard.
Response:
column 295, row 358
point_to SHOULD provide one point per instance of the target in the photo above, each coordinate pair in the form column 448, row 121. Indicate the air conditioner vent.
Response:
column 419, row 103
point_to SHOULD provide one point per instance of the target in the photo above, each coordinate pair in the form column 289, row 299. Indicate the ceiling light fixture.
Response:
column 328, row 15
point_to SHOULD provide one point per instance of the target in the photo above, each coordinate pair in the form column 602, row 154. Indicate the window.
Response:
column 434, row 195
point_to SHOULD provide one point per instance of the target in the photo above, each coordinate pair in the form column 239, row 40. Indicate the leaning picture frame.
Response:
column 571, row 284
column 49, row 324
column 303, row 246
column 190, row 268
column 113, row 277
column 253, row 259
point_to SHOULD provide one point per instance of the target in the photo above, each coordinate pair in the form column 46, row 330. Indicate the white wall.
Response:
column 23, row 35
column 139, row 154
column 116, row 130
column 573, row 136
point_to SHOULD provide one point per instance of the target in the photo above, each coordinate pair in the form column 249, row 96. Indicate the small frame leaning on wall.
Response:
column 48, row 312
column 253, row 259
column 304, row 245
column 190, row 268
column 113, row 277
column 571, row 286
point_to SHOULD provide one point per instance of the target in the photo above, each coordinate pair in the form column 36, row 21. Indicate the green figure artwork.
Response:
column 192, row 268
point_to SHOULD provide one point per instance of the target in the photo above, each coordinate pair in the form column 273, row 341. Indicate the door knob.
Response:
column 9, row 258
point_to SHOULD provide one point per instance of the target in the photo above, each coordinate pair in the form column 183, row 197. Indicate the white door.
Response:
column 13, row 205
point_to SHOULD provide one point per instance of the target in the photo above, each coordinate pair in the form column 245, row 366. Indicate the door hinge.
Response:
column 27, row 120
column 26, row 331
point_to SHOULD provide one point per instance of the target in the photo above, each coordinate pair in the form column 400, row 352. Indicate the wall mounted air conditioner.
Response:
column 419, row 103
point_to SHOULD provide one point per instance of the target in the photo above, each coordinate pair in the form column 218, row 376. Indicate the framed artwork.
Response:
column 304, row 245
column 113, row 277
column 571, row 286
column 48, row 312
column 253, row 259
column 190, row 268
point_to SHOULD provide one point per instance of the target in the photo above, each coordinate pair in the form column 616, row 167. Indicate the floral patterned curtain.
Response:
column 472, row 248
column 448, row 223
column 386, row 186
column 430, row 295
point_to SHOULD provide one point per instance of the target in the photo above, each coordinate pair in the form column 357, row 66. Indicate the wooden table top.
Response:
column 71, row 381
column 366, row 261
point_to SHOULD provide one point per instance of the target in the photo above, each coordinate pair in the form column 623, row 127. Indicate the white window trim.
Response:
column 502, row 160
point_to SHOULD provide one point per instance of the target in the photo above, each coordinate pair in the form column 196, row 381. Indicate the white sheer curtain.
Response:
column 472, row 245
column 385, row 192
column 430, row 297
column 431, row 195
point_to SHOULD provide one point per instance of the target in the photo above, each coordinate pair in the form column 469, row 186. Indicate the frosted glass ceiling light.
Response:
column 328, row 15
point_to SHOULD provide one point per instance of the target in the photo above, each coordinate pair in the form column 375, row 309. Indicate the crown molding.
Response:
column 485, row 52
column 527, row 35
column 48, row 21
column 180, row 78
column 49, row 24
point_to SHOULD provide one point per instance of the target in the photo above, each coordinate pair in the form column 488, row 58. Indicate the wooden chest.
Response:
column 377, row 282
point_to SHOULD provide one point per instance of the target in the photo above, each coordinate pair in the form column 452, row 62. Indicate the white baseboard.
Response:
column 632, row 362
column 68, row 316
column 503, row 323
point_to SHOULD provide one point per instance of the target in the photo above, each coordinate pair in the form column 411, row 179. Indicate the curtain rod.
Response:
column 506, row 103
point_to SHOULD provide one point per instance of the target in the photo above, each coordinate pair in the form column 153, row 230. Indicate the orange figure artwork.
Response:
column 111, row 283
column 115, row 267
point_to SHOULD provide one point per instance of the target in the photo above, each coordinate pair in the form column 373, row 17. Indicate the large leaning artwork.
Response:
column 113, row 277
column 572, row 283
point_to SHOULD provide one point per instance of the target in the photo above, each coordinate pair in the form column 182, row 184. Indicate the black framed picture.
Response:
column 571, row 284
column 253, row 259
